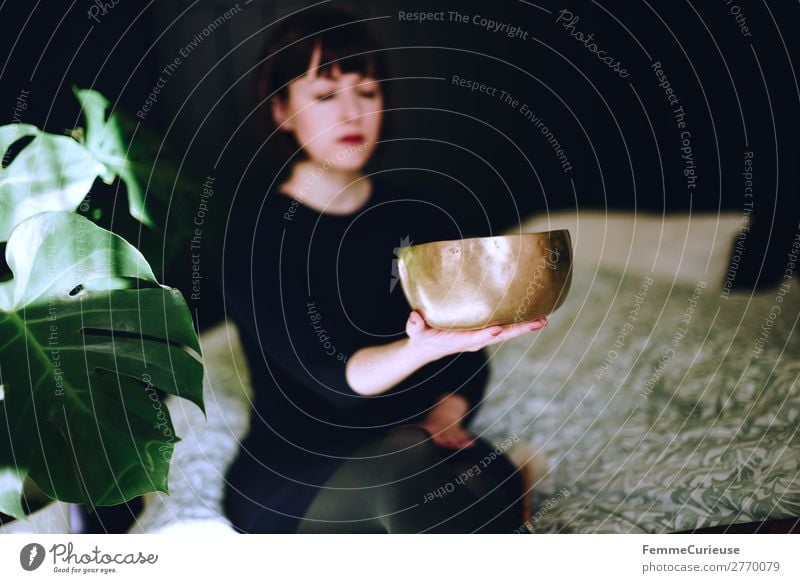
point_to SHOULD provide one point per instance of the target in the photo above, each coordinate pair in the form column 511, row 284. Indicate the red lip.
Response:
column 352, row 139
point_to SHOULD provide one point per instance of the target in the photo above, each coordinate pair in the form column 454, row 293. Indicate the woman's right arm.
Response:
column 376, row 369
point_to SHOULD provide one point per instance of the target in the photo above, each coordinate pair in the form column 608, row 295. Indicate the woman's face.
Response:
column 336, row 119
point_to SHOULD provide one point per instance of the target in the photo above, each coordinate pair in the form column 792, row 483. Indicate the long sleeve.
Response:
column 299, row 350
column 270, row 305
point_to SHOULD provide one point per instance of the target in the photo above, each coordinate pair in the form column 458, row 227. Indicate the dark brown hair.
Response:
column 344, row 41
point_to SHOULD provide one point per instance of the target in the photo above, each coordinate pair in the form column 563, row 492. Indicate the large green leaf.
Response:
column 50, row 173
column 55, row 172
column 110, row 145
column 80, row 354
column 146, row 165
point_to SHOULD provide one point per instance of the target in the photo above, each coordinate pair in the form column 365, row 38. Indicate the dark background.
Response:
column 481, row 157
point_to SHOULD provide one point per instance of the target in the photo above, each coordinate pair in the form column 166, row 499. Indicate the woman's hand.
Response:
column 373, row 370
column 444, row 423
column 441, row 343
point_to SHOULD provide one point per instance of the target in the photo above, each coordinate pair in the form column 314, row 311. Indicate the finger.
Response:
column 538, row 323
column 525, row 327
column 493, row 332
column 518, row 327
column 460, row 438
column 449, row 438
column 450, row 444
column 466, row 442
column 442, row 440
column 514, row 330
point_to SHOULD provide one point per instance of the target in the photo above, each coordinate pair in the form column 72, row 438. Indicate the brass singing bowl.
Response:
column 473, row 283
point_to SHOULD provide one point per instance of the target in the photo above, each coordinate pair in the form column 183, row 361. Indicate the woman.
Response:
column 360, row 406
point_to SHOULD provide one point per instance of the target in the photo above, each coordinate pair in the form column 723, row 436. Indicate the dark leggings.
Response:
column 404, row 483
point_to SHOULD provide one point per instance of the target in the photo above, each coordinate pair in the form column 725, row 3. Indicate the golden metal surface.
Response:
column 474, row 283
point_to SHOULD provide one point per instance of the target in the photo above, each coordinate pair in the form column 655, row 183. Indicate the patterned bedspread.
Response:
column 662, row 405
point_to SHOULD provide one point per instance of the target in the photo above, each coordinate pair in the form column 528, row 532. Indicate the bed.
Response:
column 663, row 400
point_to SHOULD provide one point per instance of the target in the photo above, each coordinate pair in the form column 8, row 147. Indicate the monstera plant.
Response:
column 88, row 337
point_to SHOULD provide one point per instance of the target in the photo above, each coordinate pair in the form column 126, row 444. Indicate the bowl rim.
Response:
column 569, row 238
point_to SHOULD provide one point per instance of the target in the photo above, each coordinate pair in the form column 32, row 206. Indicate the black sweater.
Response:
column 307, row 290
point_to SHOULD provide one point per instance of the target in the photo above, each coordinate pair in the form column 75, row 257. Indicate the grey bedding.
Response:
column 663, row 405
